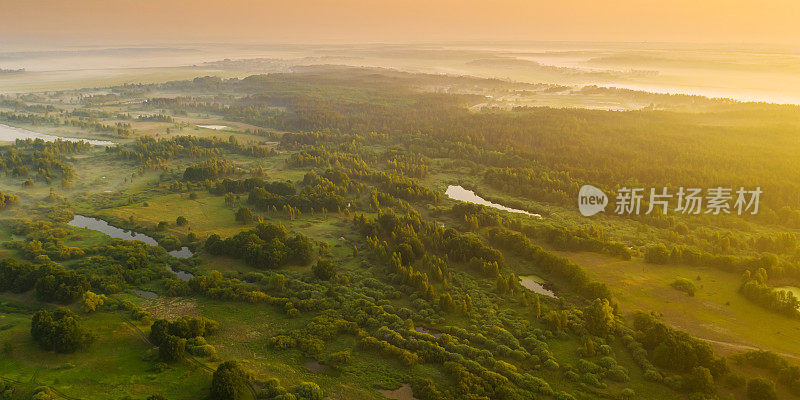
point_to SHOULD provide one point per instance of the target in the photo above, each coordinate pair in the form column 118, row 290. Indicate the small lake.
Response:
column 99, row 225
column 182, row 275
column 11, row 133
column 456, row 192
column 214, row 127
column 536, row 284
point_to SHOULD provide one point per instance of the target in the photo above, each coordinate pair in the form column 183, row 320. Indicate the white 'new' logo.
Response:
column 591, row 200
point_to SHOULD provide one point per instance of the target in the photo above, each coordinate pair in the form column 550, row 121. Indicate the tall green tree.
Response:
column 599, row 317
column 229, row 382
column 761, row 389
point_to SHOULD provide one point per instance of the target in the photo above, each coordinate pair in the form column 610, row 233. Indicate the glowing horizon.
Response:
column 358, row 21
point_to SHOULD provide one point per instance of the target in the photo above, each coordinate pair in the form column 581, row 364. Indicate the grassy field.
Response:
column 717, row 312
column 116, row 365
column 208, row 214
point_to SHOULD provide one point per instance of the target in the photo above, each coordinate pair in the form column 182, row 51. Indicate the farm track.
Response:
column 190, row 357
column 744, row 347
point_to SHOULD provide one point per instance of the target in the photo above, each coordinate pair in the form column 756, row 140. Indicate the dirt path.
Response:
column 743, row 347
column 404, row 392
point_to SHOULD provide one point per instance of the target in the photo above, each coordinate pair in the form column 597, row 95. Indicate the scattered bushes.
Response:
column 324, row 270
column 684, row 285
column 175, row 338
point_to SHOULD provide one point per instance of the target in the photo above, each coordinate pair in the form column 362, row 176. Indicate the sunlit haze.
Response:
column 359, row 21
column 399, row 199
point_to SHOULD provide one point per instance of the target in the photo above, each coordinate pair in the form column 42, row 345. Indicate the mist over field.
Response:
column 741, row 72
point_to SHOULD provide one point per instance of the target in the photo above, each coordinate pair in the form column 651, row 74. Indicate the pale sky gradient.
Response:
column 359, row 21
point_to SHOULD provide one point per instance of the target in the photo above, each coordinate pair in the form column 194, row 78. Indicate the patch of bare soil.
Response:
column 315, row 367
column 402, row 393
column 171, row 308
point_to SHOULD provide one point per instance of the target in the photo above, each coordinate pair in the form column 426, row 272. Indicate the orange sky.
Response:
column 326, row 21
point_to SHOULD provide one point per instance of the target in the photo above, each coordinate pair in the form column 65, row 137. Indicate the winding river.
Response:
column 100, row 225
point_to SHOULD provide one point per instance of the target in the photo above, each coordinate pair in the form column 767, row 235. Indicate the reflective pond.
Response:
column 535, row 284
column 214, row 127
column 456, row 192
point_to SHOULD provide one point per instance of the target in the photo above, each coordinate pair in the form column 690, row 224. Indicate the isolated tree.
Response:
column 244, row 215
column 301, row 249
column 700, row 380
column 537, row 306
column 324, row 270
column 627, row 394
column 761, row 389
column 92, row 301
column 599, row 317
column 229, row 382
column 181, row 221
column 309, row 391
column 159, row 331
